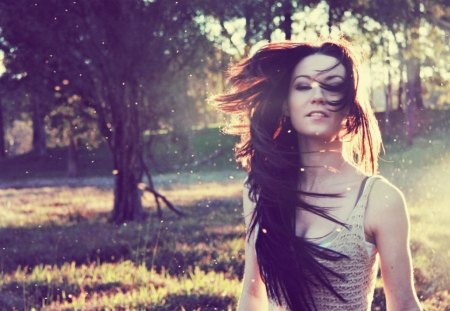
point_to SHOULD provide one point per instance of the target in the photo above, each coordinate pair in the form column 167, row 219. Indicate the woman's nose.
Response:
column 317, row 95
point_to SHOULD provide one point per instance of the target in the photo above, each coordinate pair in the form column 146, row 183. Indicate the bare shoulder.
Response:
column 387, row 195
column 386, row 206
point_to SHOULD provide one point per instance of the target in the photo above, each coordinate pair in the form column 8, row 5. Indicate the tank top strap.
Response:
column 367, row 188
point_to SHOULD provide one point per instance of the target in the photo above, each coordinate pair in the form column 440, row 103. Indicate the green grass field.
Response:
column 58, row 251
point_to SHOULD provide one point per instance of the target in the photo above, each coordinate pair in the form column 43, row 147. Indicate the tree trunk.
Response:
column 39, row 139
column 268, row 21
column 414, row 83
column 413, row 97
column 2, row 133
column 127, row 156
column 72, row 156
column 388, row 90
column 388, row 108
column 287, row 22
column 248, row 15
column 400, row 105
column 330, row 17
column 413, row 89
column 401, row 58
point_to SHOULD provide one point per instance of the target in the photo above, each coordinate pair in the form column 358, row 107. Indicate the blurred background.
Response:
column 117, row 188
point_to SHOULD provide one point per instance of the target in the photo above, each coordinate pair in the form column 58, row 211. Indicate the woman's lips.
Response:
column 317, row 115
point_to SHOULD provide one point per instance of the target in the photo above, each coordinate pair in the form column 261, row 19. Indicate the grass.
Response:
column 422, row 172
column 125, row 285
column 58, row 252
column 48, row 260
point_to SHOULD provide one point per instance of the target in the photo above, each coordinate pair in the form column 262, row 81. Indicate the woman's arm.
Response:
column 388, row 221
column 253, row 296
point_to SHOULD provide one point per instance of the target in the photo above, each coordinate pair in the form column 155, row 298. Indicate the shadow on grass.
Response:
column 209, row 238
column 21, row 295
column 196, row 302
column 195, row 240
column 55, row 245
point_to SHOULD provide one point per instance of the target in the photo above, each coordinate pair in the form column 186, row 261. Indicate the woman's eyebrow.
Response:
column 301, row 76
column 327, row 78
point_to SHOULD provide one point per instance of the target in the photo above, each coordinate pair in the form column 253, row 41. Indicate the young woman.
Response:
column 318, row 216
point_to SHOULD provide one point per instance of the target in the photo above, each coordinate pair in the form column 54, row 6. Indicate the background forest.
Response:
column 117, row 188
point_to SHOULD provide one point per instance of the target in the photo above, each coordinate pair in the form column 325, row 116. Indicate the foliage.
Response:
column 122, row 60
column 211, row 150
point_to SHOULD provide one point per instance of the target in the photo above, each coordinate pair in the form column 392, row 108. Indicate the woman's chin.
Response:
column 325, row 137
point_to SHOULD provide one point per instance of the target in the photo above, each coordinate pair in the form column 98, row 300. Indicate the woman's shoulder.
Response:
column 383, row 188
column 380, row 186
column 385, row 200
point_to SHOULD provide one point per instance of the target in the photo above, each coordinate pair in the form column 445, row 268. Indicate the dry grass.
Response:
column 57, row 250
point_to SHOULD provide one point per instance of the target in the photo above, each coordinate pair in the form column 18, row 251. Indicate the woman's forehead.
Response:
column 318, row 65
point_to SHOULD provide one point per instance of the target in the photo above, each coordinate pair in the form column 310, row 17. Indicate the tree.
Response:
column 30, row 69
column 404, row 18
column 8, row 89
column 258, row 19
column 286, row 24
column 3, row 82
column 119, row 57
column 75, row 124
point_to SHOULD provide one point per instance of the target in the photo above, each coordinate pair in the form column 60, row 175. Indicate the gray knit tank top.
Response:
column 359, row 271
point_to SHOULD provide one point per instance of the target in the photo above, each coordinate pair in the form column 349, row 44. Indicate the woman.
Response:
column 317, row 215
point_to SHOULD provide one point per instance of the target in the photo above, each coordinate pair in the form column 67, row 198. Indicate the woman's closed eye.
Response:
column 303, row 87
column 336, row 87
column 333, row 87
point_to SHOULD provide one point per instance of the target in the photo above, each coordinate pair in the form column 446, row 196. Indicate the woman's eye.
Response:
column 334, row 86
column 303, row 87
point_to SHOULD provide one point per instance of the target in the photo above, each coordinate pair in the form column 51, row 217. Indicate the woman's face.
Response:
column 312, row 88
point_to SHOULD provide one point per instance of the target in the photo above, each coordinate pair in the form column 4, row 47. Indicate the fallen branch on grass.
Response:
column 158, row 196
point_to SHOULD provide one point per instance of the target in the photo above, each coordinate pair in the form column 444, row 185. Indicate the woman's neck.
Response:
column 320, row 160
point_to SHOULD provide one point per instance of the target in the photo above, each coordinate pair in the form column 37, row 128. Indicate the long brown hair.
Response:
column 290, row 265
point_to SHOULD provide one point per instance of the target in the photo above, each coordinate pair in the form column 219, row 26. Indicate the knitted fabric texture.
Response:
column 359, row 270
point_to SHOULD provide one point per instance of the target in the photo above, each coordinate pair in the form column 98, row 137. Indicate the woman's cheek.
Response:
column 297, row 112
column 296, row 106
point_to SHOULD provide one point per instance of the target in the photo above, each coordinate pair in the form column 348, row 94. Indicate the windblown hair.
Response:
column 290, row 265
